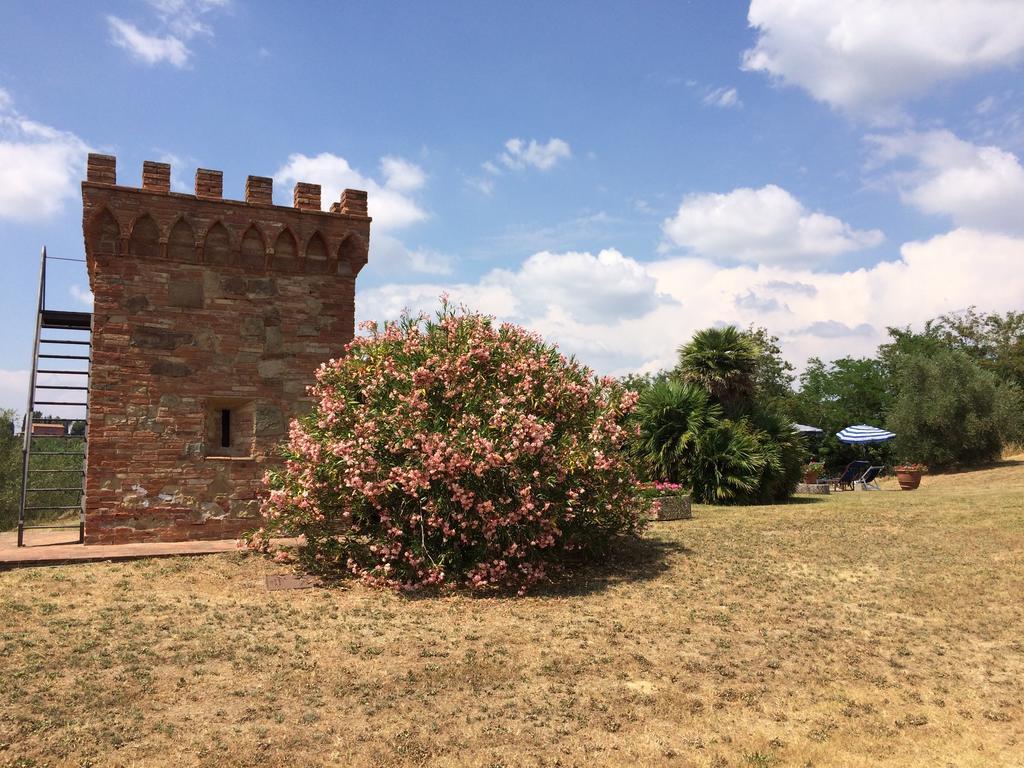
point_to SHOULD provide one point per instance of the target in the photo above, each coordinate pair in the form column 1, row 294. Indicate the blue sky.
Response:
column 612, row 175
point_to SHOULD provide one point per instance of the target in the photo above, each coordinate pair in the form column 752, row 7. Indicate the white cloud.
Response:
column 81, row 295
column 519, row 154
column 766, row 225
column 390, row 256
column 185, row 17
column 619, row 315
column 151, row 49
column 484, row 186
column 725, row 98
column 389, row 204
column 978, row 186
column 39, row 166
column 401, row 174
column 179, row 22
column 869, row 56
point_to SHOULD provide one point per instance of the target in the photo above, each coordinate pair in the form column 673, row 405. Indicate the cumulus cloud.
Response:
column 869, row 56
column 39, row 165
column 978, row 186
column 766, row 225
column 178, row 21
column 519, row 154
column 619, row 314
column 390, row 204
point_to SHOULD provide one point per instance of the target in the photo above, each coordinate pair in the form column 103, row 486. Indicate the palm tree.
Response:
column 670, row 416
column 721, row 360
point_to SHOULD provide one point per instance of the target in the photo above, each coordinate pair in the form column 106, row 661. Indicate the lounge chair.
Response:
column 844, row 482
column 867, row 481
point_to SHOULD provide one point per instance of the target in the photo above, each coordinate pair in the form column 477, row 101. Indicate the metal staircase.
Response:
column 54, row 448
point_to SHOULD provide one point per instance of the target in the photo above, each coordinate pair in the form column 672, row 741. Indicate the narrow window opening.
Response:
column 225, row 428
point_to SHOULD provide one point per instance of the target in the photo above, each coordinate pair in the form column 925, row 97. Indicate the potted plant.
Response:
column 670, row 500
column 909, row 475
column 812, row 471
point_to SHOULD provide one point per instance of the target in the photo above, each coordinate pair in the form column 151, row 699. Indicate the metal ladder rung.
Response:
column 54, row 527
column 71, row 322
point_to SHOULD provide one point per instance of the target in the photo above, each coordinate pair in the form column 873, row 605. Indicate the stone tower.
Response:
column 210, row 318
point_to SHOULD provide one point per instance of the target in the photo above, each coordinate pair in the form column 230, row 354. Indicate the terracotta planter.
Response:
column 810, row 478
column 909, row 479
column 673, row 508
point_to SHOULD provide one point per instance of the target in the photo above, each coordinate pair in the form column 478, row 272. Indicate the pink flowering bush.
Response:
column 454, row 452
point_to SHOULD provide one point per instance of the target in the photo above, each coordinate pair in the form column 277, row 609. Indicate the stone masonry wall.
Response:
column 204, row 306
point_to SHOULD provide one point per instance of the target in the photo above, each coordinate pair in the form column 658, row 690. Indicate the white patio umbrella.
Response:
column 805, row 429
column 862, row 434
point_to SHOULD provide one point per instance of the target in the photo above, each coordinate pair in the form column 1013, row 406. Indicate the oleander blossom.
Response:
column 455, row 452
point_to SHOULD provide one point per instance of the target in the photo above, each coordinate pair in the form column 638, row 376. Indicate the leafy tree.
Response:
column 994, row 341
column 10, row 471
column 723, row 361
column 1009, row 414
column 774, row 375
column 946, row 411
column 844, row 392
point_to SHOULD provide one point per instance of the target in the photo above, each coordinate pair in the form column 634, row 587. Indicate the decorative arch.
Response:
column 254, row 249
column 145, row 238
column 351, row 255
column 181, row 243
column 286, row 248
column 105, row 234
column 316, row 254
column 217, row 248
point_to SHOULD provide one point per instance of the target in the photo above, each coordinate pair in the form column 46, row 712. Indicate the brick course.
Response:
column 204, row 305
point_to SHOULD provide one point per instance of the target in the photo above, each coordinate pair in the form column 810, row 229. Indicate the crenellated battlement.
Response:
column 252, row 234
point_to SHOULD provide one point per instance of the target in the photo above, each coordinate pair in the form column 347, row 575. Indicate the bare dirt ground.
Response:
column 861, row 629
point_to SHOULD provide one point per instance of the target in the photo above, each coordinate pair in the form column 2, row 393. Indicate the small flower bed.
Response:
column 455, row 452
column 658, row 489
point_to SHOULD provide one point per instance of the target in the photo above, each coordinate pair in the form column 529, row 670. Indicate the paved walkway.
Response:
column 54, row 547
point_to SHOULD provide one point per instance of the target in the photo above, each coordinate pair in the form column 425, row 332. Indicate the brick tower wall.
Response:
column 210, row 318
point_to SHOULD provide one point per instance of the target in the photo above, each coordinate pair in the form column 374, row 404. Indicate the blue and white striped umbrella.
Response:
column 862, row 433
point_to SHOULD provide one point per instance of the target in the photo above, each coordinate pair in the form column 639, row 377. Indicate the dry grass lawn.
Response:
column 863, row 629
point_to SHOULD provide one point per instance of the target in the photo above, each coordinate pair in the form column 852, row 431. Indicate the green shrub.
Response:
column 455, row 452
column 670, row 415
